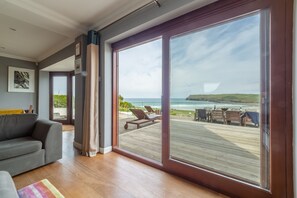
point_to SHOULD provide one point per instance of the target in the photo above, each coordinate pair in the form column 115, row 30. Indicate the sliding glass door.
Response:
column 139, row 100
column 224, row 98
column 217, row 72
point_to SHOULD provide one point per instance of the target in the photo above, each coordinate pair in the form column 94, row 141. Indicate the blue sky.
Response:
column 60, row 85
column 219, row 59
column 140, row 71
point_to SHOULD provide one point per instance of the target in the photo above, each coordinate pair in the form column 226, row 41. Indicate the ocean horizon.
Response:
column 183, row 104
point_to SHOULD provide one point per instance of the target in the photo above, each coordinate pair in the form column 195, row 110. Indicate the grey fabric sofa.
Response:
column 27, row 143
column 7, row 187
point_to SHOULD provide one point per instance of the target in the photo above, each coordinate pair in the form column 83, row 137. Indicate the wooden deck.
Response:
column 232, row 150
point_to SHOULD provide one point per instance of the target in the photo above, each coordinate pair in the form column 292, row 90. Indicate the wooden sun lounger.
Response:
column 136, row 122
column 142, row 118
column 149, row 109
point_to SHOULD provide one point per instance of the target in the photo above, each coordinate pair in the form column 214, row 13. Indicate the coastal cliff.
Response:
column 226, row 98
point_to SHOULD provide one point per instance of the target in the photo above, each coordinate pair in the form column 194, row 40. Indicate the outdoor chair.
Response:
column 217, row 115
column 250, row 116
column 200, row 114
column 233, row 116
column 142, row 118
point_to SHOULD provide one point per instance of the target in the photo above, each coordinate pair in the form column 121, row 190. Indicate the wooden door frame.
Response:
column 68, row 75
column 72, row 120
column 281, row 140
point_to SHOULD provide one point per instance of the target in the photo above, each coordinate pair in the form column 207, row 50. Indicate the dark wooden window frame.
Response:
column 72, row 74
column 281, row 139
column 69, row 94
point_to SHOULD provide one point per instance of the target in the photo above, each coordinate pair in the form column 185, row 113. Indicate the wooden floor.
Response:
column 66, row 127
column 109, row 175
column 231, row 150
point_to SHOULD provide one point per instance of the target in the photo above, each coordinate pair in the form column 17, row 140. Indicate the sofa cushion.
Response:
column 19, row 146
column 15, row 126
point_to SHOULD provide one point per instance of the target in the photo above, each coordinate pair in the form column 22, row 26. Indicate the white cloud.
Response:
column 221, row 59
column 140, row 71
column 210, row 87
column 231, row 59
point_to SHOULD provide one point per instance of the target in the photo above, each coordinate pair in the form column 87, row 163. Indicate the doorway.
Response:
column 62, row 88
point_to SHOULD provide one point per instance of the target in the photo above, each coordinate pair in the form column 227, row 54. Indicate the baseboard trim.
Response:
column 77, row 145
column 105, row 150
column 101, row 150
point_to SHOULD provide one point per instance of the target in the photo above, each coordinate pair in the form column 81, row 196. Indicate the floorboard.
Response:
column 109, row 175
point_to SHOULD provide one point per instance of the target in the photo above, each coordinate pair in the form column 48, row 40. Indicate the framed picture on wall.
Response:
column 21, row 80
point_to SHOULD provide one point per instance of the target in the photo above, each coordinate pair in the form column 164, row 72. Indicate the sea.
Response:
column 183, row 104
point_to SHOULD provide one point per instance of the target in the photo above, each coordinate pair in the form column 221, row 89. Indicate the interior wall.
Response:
column 16, row 99
column 105, row 106
column 132, row 24
column 43, row 98
column 58, row 56
column 80, row 92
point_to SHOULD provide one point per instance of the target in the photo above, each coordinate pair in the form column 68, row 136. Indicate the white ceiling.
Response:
column 35, row 29
column 45, row 26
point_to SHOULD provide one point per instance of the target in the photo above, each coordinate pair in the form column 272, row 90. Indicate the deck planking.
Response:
column 229, row 149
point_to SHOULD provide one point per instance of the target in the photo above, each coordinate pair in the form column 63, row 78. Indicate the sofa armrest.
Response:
column 7, row 187
column 50, row 134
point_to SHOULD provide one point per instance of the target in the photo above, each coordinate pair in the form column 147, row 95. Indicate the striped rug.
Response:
column 41, row 189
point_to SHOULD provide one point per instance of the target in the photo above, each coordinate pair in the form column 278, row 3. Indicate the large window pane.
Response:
column 60, row 98
column 217, row 79
column 140, row 85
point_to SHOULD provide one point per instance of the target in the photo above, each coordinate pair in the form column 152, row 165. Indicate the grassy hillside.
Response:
column 227, row 98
